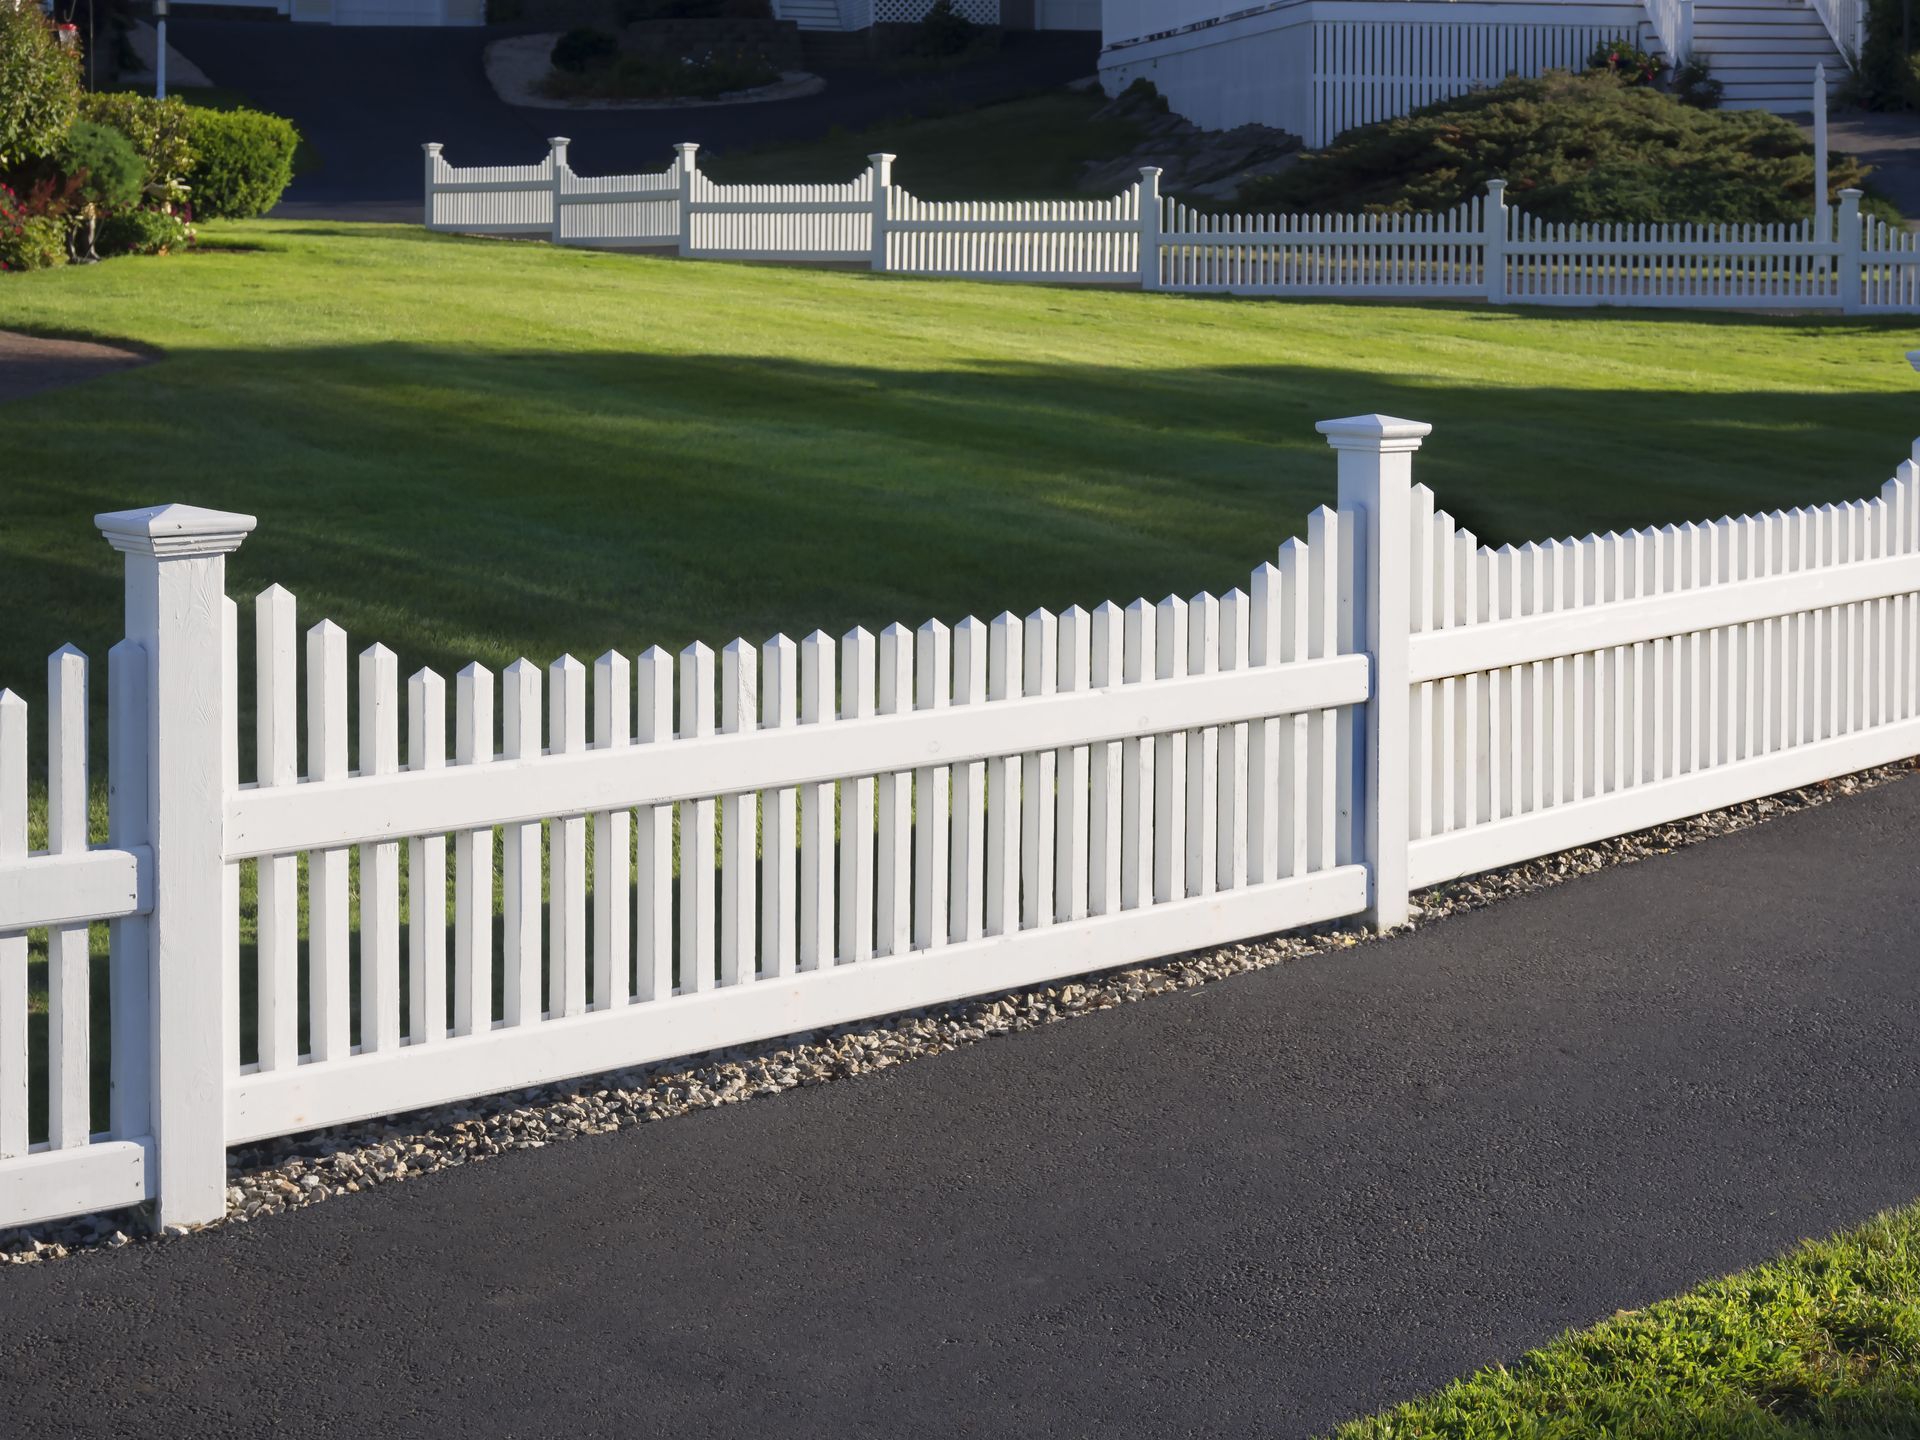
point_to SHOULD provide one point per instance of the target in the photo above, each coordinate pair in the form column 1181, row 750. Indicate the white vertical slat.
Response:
column 1042, row 653
column 1203, row 753
column 653, row 837
column 779, row 818
column 379, row 864
column 967, row 874
column 520, row 857
column 67, row 960
column 1106, row 667
column 1005, row 671
column 1138, row 667
column 567, row 864
column 697, row 950
column 1295, row 768
column 13, row 948
column 1323, row 626
column 612, row 840
column 893, row 886
column 473, row 863
column 277, row 750
column 1071, row 809
column 1231, row 830
column 329, row 991
column 932, row 862
column 1264, row 787
column 857, row 676
column 817, row 818
column 426, row 869
column 1170, row 761
column 739, row 823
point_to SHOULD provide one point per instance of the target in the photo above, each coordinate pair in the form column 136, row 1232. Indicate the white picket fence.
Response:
column 786, row 836
column 1484, row 249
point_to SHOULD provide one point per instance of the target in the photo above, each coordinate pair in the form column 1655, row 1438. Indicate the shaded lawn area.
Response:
column 477, row 450
column 1027, row 149
column 1822, row 1344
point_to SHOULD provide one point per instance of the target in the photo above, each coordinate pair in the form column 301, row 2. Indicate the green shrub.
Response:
column 103, row 161
column 1571, row 148
column 29, row 241
column 1625, row 61
column 142, row 232
column 1888, row 75
column 1693, row 84
column 243, row 162
column 582, row 48
column 39, row 84
column 160, row 130
column 650, row 77
column 943, row 30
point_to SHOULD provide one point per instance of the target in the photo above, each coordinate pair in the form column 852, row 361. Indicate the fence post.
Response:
column 689, row 166
column 176, row 612
column 1150, row 218
column 432, row 149
column 129, row 996
column 1376, row 503
column 882, row 171
column 1851, row 289
column 1493, row 242
column 557, row 145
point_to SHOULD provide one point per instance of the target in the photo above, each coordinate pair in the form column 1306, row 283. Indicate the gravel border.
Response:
column 296, row 1171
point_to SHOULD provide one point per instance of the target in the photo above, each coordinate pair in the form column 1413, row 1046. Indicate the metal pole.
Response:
column 160, row 49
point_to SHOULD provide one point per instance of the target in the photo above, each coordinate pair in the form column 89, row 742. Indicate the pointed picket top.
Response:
column 174, row 531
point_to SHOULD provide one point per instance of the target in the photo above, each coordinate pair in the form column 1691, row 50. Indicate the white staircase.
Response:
column 809, row 14
column 1765, row 52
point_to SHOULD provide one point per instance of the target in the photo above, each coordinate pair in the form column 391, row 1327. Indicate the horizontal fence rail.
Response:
column 470, row 884
column 1483, row 249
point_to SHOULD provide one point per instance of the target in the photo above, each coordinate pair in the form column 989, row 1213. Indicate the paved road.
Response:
column 1253, row 1208
column 366, row 99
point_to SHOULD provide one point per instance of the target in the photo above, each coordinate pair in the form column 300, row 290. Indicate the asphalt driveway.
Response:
column 366, row 99
column 1256, row 1207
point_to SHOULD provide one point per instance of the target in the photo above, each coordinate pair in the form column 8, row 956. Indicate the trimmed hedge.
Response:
column 1571, row 148
column 160, row 130
column 243, row 162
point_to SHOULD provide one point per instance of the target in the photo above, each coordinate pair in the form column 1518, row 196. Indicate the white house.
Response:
column 1317, row 67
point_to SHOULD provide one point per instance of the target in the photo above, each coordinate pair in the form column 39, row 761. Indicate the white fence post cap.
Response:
column 174, row 530
column 1374, row 432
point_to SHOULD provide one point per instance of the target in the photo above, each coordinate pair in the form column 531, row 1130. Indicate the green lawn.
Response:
column 1822, row 1344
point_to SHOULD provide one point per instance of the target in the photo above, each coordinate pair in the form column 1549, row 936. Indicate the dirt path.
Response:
column 30, row 365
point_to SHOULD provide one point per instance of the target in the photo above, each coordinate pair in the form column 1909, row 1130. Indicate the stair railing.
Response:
column 1846, row 22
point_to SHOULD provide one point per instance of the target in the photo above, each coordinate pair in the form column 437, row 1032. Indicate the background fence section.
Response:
column 475, row 884
column 615, row 209
column 822, row 223
column 1043, row 240
column 1484, row 248
column 1382, row 256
